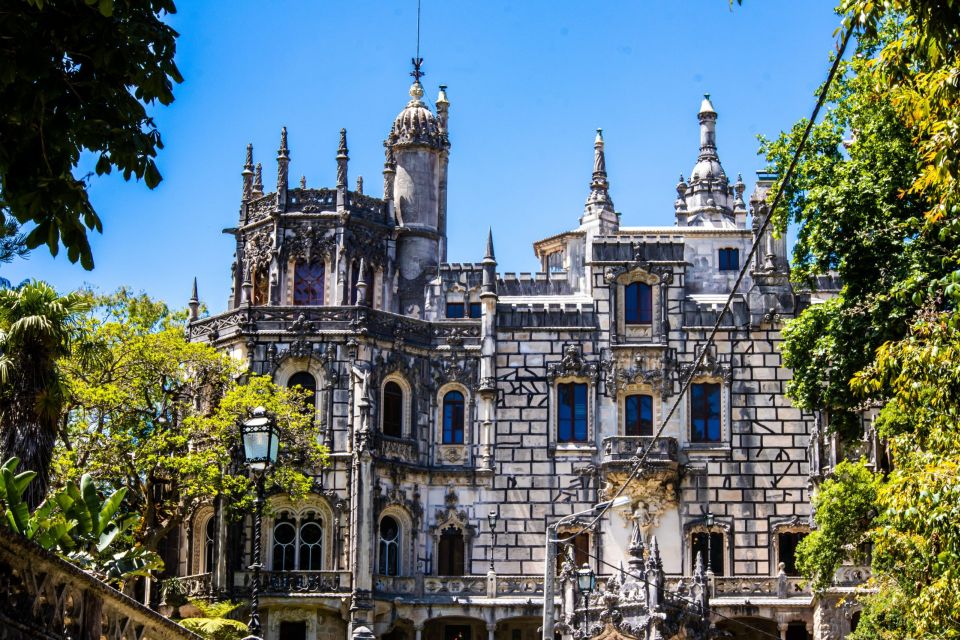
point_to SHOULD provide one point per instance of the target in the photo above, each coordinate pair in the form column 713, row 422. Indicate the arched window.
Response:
column 392, row 410
column 638, row 415
column 284, row 543
column 308, row 282
column 298, row 542
column 389, row 547
column 209, row 540
column 453, row 418
column 307, row 383
column 638, row 303
column 450, row 551
column 261, row 286
column 311, row 543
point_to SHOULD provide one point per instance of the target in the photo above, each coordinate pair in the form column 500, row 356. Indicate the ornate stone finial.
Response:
column 342, row 159
column 739, row 187
column 362, row 283
column 258, row 181
column 489, row 284
column 490, row 255
column 681, row 187
column 283, row 164
column 599, row 187
column 194, row 303
column 708, row 129
column 653, row 559
column 246, row 288
column 303, row 182
column 247, row 174
column 359, row 188
column 389, row 171
column 443, row 108
column 416, row 93
column 442, row 96
column 698, row 566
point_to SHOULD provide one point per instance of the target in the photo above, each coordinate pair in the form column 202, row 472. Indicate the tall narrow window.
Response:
column 311, row 544
column 209, row 544
column 580, row 545
column 787, row 551
column 450, row 550
column 307, row 383
column 729, row 259
column 572, row 412
column 261, row 287
column 392, row 410
column 476, row 309
column 638, row 415
column 308, row 281
column 638, row 303
column 388, row 561
column 284, row 544
column 453, row 418
column 710, row 548
column 705, row 412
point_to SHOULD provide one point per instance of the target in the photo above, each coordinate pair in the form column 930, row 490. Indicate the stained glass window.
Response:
column 308, row 281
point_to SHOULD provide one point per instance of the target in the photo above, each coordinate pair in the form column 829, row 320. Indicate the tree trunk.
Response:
column 92, row 616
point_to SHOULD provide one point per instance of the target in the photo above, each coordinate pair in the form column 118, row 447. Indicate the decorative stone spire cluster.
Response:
column 283, row 170
column 247, row 174
column 342, row 159
column 708, row 199
column 194, row 303
column 258, row 181
column 599, row 186
column 416, row 125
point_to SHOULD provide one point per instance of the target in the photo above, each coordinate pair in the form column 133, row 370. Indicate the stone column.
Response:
column 782, row 627
column 491, row 630
column 418, row 630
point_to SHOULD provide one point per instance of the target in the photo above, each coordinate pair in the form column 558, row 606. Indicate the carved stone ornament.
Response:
column 651, row 495
column 642, row 370
column 573, row 364
column 711, row 366
column 395, row 496
column 453, row 369
column 390, row 362
column 451, row 516
column 663, row 272
column 258, row 248
column 308, row 243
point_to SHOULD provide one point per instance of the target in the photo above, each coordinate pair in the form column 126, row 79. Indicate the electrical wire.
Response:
column 638, row 465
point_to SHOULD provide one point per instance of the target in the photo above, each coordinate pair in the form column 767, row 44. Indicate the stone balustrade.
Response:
column 292, row 582
column 627, row 448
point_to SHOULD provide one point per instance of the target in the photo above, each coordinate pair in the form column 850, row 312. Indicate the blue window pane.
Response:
column 638, row 420
column 453, row 418
column 729, row 259
column 476, row 310
column 638, row 303
column 705, row 412
column 572, row 412
column 454, row 309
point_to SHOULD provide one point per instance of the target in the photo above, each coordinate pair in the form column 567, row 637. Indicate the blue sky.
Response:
column 529, row 82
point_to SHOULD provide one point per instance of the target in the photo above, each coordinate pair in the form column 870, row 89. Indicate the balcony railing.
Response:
column 626, row 448
column 519, row 585
column 288, row 582
column 760, row 587
column 455, row 585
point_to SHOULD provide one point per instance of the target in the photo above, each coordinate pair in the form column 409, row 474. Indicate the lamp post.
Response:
column 492, row 520
column 586, row 583
column 260, row 446
column 708, row 520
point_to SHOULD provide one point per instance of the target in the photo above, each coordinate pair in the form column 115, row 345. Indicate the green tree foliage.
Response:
column 37, row 329
column 78, row 525
column 78, row 75
column 157, row 415
column 876, row 199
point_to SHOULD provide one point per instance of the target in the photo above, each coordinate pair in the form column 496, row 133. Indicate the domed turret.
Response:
column 416, row 124
column 708, row 198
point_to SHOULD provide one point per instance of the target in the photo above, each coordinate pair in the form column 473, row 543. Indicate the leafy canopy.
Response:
column 78, row 75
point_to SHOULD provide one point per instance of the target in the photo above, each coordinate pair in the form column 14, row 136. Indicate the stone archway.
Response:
column 455, row 628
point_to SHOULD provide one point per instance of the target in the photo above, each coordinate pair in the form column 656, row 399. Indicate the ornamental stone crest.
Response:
column 642, row 370
column 573, row 364
column 309, row 243
column 258, row 249
column 453, row 369
column 709, row 366
column 451, row 516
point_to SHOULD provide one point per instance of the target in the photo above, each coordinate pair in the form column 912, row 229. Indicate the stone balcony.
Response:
column 624, row 450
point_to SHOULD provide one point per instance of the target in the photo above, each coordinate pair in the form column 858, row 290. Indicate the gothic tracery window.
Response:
column 388, row 549
column 209, row 538
column 298, row 542
column 308, row 283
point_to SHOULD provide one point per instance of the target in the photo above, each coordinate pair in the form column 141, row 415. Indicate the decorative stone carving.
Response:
column 451, row 368
column 710, row 366
column 258, row 248
column 451, row 516
column 573, row 364
column 308, row 243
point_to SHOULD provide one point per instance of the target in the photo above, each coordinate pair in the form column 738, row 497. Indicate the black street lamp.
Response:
column 492, row 520
column 586, row 583
column 260, row 445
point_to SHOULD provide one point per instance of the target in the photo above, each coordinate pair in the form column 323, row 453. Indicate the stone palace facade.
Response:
column 447, row 391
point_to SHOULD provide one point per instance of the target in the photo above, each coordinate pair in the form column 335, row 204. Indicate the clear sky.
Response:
column 529, row 82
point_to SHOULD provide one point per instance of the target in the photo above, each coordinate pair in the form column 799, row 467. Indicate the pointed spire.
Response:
column 303, row 182
column 698, row 566
column 342, row 159
column 389, row 171
column 490, row 255
column 247, row 174
column 258, row 181
column 359, row 188
column 194, row 302
column 489, row 286
column 283, row 168
column 246, row 288
column 599, row 187
column 362, row 284
column 653, row 560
